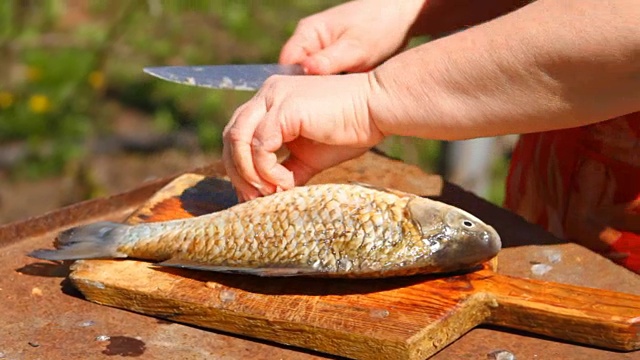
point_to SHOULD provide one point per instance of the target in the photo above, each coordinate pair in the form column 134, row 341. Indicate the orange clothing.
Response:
column 583, row 185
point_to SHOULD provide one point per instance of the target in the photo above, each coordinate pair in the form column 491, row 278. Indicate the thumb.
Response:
column 308, row 157
column 343, row 55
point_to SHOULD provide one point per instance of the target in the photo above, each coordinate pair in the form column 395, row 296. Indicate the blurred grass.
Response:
column 64, row 63
column 64, row 60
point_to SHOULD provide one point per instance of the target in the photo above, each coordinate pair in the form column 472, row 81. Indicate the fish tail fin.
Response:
column 97, row 240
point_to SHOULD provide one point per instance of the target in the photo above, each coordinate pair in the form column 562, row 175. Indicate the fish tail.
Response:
column 97, row 240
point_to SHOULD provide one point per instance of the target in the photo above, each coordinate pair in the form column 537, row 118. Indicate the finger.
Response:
column 268, row 138
column 302, row 43
column 237, row 138
column 343, row 55
column 302, row 173
column 307, row 158
column 299, row 162
column 234, row 116
column 272, row 171
column 237, row 183
column 244, row 190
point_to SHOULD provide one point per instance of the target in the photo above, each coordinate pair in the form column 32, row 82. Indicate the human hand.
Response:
column 322, row 120
column 352, row 37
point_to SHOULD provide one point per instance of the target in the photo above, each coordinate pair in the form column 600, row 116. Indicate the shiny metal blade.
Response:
column 247, row 77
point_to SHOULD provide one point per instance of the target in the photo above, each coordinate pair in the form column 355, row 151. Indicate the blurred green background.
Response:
column 79, row 118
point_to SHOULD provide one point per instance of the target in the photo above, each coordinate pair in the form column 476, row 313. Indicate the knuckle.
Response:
column 267, row 85
column 226, row 130
column 238, row 111
column 306, row 23
column 273, row 82
column 273, row 91
column 233, row 135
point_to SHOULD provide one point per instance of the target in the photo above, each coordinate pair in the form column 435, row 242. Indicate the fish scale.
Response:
column 348, row 230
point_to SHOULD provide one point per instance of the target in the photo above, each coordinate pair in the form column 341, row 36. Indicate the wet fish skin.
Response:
column 344, row 230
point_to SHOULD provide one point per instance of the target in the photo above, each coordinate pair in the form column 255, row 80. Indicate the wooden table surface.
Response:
column 46, row 318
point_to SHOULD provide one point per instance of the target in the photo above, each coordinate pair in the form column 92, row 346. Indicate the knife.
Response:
column 246, row 77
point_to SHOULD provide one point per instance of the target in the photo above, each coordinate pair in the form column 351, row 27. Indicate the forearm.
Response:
column 552, row 64
column 443, row 16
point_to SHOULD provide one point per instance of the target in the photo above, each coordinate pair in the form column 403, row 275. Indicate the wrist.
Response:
column 379, row 107
column 409, row 98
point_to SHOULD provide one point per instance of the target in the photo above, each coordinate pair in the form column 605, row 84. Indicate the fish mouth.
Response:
column 482, row 248
column 494, row 242
column 472, row 244
column 468, row 251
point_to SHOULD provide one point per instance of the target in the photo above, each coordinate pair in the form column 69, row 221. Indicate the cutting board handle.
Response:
column 578, row 314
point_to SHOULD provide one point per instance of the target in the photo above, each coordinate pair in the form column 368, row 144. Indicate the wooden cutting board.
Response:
column 401, row 318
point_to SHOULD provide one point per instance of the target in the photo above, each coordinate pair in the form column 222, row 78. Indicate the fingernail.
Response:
column 283, row 177
column 256, row 185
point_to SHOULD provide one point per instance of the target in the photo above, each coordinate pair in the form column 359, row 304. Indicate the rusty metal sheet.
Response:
column 43, row 317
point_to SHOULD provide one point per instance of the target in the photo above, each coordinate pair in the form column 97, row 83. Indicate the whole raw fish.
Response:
column 338, row 230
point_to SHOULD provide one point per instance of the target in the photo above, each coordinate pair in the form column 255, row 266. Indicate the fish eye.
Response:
column 467, row 223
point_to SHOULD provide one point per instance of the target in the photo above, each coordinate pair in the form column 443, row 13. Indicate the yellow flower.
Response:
column 33, row 73
column 39, row 104
column 6, row 99
column 96, row 80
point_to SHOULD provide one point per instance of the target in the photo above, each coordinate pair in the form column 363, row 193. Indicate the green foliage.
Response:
column 6, row 18
column 164, row 120
column 67, row 64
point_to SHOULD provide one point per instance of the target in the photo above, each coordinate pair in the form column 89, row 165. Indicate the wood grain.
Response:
column 585, row 315
column 405, row 318
column 400, row 318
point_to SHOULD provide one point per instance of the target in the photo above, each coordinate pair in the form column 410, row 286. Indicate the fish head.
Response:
column 452, row 238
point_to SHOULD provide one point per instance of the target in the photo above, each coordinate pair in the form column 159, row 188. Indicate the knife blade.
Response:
column 247, row 77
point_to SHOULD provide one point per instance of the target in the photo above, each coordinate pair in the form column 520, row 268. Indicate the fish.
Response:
column 350, row 230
